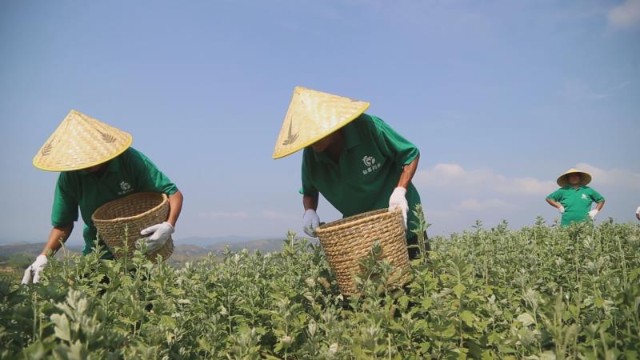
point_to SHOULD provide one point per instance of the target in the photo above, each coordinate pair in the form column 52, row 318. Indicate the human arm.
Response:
column 403, row 153
column 556, row 204
column 150, row 178
column 398, row 196
column 408, row 171
column 310, row 219
column 599, row 205
column 175, row 207
column 596, row 210
column 310, row 196
column 310, row 202
column 599, row 200
column 157, row 235
column 57, row 236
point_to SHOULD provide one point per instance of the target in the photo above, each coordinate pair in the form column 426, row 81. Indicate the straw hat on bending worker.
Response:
column 97, row 165
column 312, row 115
column 376, row 163
column 81, row 142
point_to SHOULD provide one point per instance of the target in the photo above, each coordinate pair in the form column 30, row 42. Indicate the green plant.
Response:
column 533, row 293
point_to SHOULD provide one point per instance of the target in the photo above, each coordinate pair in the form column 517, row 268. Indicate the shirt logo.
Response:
column 370, row 165
column 584, row 197
column 369, row 160
column 125, row 187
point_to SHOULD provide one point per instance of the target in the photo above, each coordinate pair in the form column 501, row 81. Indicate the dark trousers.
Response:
column 414, row 249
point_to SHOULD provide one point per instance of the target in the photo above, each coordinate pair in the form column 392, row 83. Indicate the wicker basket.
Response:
column 346, row 241
column 120, row 221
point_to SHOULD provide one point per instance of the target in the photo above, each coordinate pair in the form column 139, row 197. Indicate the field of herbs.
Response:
column 540, row 292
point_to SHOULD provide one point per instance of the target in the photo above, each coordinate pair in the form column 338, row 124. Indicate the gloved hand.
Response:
column 310, row 221
column 158, row 235
column 561, row 209
column 33, row 272
column 593, row 213
column 398, row 200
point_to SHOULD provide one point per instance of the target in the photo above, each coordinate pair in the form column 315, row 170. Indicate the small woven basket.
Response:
column 345, row 242
column 120, row 221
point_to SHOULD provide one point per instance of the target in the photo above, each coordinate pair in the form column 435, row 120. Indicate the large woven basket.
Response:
column 345, row 242
column 120, row 221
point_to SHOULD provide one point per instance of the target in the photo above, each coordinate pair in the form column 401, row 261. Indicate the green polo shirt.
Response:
column 367, row 172
column 128, row 173
column 576, row 202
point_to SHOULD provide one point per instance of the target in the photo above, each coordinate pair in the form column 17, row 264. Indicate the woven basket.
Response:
column 120, row 221
column 345, row 242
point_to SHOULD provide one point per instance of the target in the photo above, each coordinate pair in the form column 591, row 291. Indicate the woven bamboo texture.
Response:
column 313, row 115
column 80, row 142
column 347, row 241
column 120, row 221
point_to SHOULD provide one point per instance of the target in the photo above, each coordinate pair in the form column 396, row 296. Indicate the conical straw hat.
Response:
column 80, row 142
column 563, row 180
column 313, row 115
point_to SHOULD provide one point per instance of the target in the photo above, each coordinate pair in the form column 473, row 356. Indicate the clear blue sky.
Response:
column 501, row 97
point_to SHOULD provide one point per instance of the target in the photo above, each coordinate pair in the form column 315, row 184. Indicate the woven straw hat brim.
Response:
column 563, row 180
column 311, row 116
column 80, row 142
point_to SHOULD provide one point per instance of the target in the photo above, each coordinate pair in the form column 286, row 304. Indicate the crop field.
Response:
column 540, row 292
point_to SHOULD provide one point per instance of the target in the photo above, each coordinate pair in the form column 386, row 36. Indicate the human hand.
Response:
column 33, row 272
column 561, row 209
column 157, row 235
column 310, row 221
column 638, row 212
column 398, row 200
column 593, row 213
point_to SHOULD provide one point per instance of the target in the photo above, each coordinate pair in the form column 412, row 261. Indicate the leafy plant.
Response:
column 539, row 292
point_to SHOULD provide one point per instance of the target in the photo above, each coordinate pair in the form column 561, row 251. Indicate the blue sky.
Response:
column 501, row 97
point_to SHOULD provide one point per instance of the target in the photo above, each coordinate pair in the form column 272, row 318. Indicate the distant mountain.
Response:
column 264, row 245
column 209, row 241
column 19, row 256
column 28, row 249
column 184, row 249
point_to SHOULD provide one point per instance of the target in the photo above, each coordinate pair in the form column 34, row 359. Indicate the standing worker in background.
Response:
column 96, row 165
column 356, row 161
column 574, row 198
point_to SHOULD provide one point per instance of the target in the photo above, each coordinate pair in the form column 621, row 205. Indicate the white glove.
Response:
column 33, row 272
column 159, row 234
column 310, row 221
column 561, row 209
column 593, row 213
column 398, row 200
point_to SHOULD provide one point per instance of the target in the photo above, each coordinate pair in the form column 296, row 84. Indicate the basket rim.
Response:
column 164, row 197
column 356, row 220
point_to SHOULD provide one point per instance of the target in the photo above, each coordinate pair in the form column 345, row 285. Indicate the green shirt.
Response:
column 128, row 173
column 367, row 172
column 576, row 202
